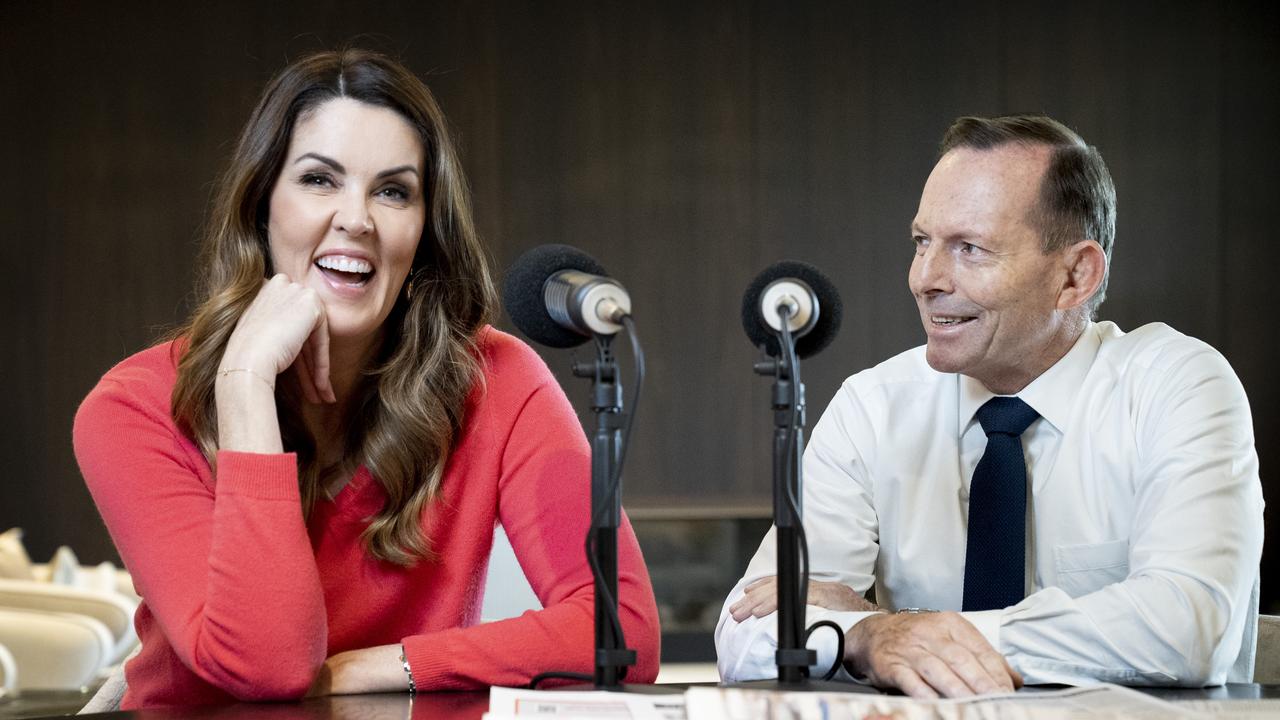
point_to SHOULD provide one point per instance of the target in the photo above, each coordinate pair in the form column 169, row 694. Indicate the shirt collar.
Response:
column 1051, row 394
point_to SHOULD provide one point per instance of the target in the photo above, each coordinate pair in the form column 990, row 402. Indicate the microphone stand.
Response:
column 611, row 655
column 792, row 658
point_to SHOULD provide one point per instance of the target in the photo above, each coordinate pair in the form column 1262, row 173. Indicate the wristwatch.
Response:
column 916, row 611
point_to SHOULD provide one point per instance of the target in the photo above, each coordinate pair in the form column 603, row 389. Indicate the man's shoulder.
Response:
column 907, row 369
column 1155, row 346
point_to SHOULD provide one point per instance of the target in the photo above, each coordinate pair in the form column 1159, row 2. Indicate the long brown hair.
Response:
column 408, row 409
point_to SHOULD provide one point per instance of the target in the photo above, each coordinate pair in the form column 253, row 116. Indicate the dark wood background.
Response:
column 686, row 145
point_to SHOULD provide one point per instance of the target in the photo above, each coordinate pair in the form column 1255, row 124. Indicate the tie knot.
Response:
column 1007, row 415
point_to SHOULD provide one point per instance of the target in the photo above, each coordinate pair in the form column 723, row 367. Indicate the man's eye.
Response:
column 920, row 242
column 969, row 248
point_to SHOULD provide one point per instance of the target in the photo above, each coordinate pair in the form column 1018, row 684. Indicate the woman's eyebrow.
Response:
column 326, row 160
column 338, row 166
column 397, row 171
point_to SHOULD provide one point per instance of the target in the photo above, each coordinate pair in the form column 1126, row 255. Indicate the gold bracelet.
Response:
column 270, row 384
column 412, row 690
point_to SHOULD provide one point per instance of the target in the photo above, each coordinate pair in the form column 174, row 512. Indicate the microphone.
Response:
column 812, row 302
column 560, row 297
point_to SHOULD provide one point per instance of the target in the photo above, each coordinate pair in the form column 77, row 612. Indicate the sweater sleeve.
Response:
column 227, row 571
column 544, row 506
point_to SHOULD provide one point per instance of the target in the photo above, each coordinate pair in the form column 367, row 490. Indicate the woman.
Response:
column 305, row 481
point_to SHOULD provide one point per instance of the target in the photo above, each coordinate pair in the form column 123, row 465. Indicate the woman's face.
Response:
column 347, row 211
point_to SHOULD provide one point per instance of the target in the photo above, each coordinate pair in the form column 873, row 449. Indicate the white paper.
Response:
column 1098, row 702
column 510, row 703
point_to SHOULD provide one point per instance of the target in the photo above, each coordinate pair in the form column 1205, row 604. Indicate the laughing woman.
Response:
column 305, row 481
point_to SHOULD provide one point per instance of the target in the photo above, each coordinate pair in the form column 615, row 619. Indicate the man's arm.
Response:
column 1196, row 540
column 841, row 529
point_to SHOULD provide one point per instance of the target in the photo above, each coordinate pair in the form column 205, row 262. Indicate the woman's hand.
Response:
column 375, row 669
column 761, row 598
column 284, row 326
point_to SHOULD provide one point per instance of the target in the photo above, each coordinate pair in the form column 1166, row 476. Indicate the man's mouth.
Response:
column 346, row 270
column 949, row 320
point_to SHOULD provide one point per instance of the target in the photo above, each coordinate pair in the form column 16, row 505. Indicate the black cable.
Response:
column 597, row 573
column 788, row 346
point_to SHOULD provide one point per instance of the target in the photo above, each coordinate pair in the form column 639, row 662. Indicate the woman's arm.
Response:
column 224, row 563
column 544, row 506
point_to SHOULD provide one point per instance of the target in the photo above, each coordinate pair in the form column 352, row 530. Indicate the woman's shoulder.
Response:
column 145, row 378
column 509, row 361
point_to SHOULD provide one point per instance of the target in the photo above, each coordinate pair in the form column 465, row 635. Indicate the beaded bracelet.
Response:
column 270, row 384
column 412, row 690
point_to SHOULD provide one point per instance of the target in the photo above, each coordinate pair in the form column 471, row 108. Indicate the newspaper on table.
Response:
column 506, row 703
column 1082, row 703
column 1100, row 702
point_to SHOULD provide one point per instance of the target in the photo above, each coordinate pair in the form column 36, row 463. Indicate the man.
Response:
column 1088, row 500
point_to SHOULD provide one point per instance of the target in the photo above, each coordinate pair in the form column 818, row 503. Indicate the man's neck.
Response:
column 1012, row 380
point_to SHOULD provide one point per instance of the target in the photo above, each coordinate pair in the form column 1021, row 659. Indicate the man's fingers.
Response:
column 980, row 677
column 906, row 679
column 752, row 587
column 941, row 676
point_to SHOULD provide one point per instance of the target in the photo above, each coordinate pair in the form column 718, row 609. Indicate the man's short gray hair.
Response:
column 1077, row 196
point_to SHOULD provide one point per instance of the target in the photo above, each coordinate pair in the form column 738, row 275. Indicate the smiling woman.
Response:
column 305, row 479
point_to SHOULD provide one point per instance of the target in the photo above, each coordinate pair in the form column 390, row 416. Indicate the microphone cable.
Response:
column 597, row 573
column 788, row 347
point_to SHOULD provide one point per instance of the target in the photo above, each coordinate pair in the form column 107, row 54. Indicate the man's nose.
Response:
column 930, row 271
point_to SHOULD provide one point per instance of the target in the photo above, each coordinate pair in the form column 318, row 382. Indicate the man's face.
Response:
column 986, row 291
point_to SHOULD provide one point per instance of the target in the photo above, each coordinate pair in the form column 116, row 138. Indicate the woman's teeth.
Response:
column 345, row 264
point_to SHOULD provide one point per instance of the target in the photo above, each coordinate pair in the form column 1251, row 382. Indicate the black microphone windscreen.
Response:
column 522, row 296
column 830, row 309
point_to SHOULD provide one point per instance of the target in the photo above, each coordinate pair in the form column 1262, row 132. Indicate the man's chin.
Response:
column 944, row 361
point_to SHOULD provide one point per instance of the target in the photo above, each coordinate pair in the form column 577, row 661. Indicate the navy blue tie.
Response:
column 995, row 558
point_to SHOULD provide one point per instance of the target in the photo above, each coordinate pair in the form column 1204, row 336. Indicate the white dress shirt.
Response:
column 1144, row 513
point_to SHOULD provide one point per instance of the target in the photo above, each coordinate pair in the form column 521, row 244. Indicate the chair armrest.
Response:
column 114, row 611
column 55, row 651
column 8, row 671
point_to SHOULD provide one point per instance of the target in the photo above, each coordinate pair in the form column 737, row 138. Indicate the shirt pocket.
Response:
column 1084, row 568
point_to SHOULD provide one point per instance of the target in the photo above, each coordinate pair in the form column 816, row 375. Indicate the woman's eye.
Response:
column 316, row 180
column 394, row 192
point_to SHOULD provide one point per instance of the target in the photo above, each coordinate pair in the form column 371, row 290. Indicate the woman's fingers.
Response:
column 318, row 345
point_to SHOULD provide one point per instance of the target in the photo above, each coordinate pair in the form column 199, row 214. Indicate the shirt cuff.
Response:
column 263, row 476
column 987, row 622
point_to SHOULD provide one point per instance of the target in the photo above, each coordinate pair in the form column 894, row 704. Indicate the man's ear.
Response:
column 1086, row 266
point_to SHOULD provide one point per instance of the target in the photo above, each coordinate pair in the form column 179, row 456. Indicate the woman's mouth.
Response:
column 349, row 271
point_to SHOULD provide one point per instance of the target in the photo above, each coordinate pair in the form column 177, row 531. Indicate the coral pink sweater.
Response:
column 243, row 598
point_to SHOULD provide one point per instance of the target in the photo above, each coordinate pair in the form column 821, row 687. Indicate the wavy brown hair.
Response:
column 409, row 406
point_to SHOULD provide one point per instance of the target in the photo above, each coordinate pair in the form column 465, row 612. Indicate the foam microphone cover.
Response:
column 829, row 309
column 522, row 295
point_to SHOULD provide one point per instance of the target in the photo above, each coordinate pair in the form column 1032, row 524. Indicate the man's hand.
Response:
column 928, row 655
column 761, row 598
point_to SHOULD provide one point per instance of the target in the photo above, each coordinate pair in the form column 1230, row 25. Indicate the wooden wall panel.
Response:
column 686, row 145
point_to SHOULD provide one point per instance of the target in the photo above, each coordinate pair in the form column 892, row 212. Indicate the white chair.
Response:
column 55, row 651
column 1266, row 668
column 113, row 610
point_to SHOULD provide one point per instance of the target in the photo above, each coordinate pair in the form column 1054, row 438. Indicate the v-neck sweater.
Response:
column 244, row 598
